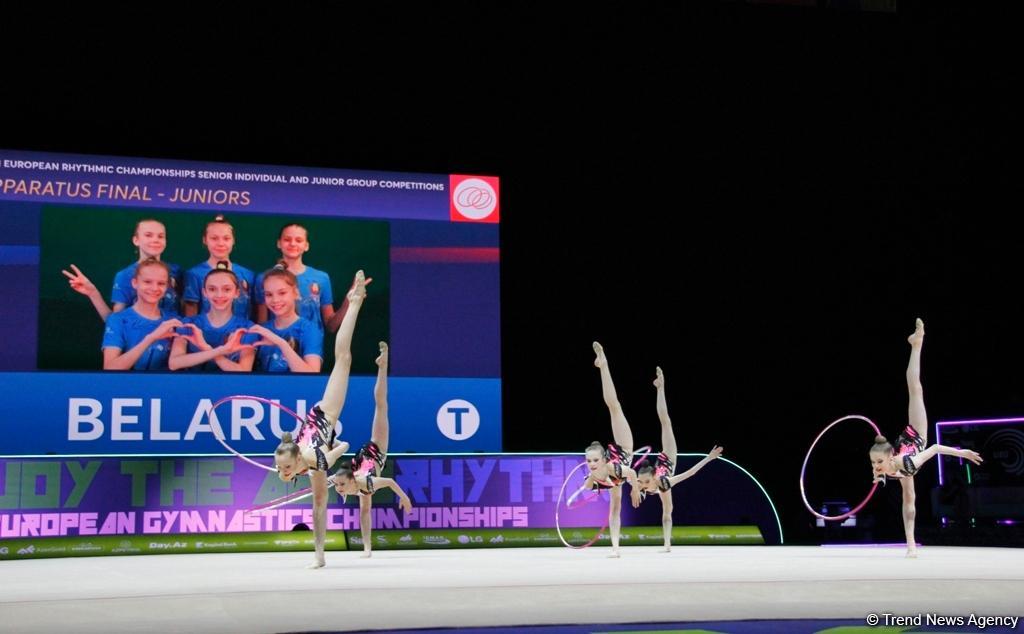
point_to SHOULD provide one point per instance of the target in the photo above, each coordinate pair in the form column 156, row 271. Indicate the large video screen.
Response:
column 139, row 292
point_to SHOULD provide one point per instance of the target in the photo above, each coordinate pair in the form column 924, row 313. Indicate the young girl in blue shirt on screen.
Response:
column 316, row 297
column 215, row 340
column 219, row 238
column 289, row 342
column 138, row 337
column 150, row 238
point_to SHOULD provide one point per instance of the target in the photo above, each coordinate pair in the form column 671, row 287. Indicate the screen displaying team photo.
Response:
column 142, row 291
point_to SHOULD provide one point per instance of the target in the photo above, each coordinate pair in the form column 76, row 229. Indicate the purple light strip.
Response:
column 980, row 421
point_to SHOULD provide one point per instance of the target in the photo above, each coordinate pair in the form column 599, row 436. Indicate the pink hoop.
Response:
column 578, row 499
column 285, row 499
column 558, row 503
column 647, row 451
column 258, row 399
column 803, row 469
column 572, row 504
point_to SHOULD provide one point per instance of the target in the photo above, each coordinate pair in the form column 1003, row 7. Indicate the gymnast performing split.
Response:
column 610, row 466
column 316, row 449
column 905, row 458
column 661, row 477
column 362, row 476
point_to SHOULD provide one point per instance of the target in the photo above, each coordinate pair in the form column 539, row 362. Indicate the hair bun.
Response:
column 219, row 218
column 286, row 438
column 223, row 265
column 880, row 440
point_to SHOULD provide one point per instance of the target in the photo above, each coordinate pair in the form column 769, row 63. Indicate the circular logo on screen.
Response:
column 458, row 419
column 474, row 198
column 1007, row 447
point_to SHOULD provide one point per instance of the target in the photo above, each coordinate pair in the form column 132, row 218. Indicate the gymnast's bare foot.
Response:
column 917, row 338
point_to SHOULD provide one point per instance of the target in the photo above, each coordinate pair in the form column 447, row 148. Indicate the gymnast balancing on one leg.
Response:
column 610, row 467
column 363, row 476
column 905, row 458
column 658, row 478
column 315, row 451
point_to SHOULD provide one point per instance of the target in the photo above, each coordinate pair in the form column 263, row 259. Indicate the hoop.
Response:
column 558, row 503
column 572, row 503
column 803, row 469
column 285, row 499
column 258, row 399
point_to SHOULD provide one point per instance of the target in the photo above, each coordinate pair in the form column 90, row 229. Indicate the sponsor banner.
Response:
column 38, row 548
column 508, row 538
column 125, row 496
column 382, row 540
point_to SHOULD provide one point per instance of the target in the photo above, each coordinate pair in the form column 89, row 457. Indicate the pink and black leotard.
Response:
column 908, row 445
column 616, row 457
column 369, row 463
column 663, row 468
column 312, row 433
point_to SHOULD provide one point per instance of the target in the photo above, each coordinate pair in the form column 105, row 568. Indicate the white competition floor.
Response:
column 273, row 592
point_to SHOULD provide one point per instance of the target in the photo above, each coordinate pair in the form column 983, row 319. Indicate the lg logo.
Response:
column 458, row 419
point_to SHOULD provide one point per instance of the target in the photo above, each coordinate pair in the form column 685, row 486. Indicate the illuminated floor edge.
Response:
column 272, row 592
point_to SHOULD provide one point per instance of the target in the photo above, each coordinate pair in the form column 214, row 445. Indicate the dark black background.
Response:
column 760, row 199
